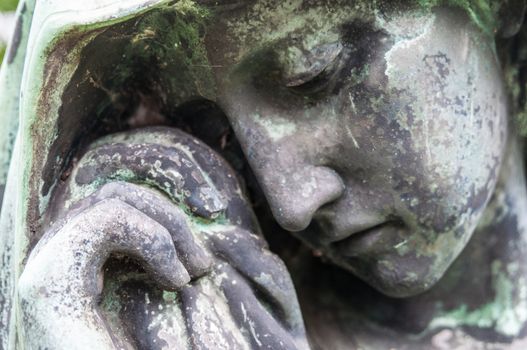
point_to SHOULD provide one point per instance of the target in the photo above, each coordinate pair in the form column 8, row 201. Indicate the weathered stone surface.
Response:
column 203, row 259
column 382, row 134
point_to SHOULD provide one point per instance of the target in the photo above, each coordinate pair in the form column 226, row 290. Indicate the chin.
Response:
column 398, row 277
column 402, row 289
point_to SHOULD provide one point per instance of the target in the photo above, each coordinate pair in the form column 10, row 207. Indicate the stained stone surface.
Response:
column 201, row 275
column 264, row 174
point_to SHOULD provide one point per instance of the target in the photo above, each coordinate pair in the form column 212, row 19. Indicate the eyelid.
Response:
column 314, row 63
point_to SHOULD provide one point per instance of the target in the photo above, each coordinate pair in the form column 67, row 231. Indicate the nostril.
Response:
column 295, row 199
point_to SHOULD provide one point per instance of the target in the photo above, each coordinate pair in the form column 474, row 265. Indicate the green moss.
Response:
column 505, row 313
column 521, row 122
column 186, row 7
column 167, row 52
column 111, row 302
column 2, row 51
column 169, row 297
column 482, row 12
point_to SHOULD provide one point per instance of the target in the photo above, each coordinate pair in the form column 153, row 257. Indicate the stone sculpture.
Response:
column 385, row 135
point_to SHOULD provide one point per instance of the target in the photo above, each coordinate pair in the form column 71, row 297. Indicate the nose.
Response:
column 295, row 194
column 285, row 157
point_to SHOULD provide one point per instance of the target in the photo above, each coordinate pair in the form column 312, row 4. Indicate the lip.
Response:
column 332, row 231
column 361, row 241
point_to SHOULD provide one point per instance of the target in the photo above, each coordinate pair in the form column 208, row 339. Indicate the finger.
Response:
column 193, row 256
column 258, row 324
column 248, row 254
column 167, row 168
column 214, row 166
column 218, row 170
column 58, row 288
column 209, row 323
column 112, row 226
column 153, row 318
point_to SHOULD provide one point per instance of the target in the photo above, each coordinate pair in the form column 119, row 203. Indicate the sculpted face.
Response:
column 376, row 134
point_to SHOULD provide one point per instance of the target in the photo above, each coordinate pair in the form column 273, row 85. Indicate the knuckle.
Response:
column 109, row 205
column 112, row 188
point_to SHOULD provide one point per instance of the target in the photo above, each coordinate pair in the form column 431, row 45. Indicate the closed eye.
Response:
column 316, row 65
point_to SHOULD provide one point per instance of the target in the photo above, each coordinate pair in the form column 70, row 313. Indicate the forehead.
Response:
column 246, row 26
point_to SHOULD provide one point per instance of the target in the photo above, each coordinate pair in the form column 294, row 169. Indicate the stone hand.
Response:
column 247, row 301
column 62, row 280
column 193, row 233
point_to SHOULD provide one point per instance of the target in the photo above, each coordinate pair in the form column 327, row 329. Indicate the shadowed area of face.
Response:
column 376, row 133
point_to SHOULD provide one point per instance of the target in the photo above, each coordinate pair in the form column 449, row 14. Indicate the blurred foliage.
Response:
column 8, row 5
column 2, row 51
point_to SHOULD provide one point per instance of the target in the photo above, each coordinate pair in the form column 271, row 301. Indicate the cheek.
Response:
column 455, row 120
column 449, row 165
column 451, row 84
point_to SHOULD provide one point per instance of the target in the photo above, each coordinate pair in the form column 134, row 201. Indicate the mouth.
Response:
column 363, row 241
column 352, row 241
